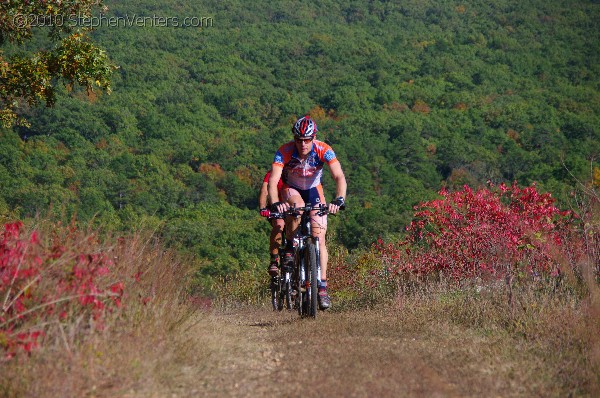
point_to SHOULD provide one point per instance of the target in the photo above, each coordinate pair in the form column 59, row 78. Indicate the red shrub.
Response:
column 491, row 232
column 48, row 283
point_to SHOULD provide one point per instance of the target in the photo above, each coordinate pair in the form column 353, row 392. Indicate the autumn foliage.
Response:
column 494, row 232
column 43, row 283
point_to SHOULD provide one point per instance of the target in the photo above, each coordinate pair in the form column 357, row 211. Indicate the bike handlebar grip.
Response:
column 274, row 206
column 339, row 201
column 326, row 211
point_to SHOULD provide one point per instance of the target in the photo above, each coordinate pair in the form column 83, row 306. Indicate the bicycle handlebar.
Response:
column 323, row 209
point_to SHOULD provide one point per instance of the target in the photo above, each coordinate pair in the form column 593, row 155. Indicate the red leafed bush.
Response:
column 43, row 283
column 491, row 232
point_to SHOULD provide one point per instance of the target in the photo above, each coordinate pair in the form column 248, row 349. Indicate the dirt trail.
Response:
column 256, row 352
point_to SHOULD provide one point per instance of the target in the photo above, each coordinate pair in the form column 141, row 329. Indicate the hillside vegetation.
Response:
column 413, row 96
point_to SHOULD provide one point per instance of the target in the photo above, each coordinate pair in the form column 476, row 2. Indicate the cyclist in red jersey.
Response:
column 277, row 224
column 299, row 164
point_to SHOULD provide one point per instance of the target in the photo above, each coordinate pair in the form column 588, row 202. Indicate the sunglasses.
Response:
column 299, row 140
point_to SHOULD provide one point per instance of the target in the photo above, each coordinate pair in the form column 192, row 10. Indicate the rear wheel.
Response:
column 284, row 290
column 276, row 297
column 285, row 286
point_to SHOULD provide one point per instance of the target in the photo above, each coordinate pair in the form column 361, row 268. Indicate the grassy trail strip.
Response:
column 256, row 352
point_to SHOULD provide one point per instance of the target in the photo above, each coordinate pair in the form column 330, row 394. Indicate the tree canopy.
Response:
column 413, row 96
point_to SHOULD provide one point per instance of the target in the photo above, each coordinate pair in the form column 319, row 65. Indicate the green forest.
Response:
column 412, row 95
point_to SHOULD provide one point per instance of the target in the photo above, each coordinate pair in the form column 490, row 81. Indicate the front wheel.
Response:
column 288, row 295
column 312, row 268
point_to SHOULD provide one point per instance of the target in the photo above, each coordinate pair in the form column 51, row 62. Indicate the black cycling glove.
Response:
column 275, row 205
column 339, row 201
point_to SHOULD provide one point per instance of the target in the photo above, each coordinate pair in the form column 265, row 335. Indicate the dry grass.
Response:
column 248, row 287
column 548, row 339
column 135, row 343
column 547, row 332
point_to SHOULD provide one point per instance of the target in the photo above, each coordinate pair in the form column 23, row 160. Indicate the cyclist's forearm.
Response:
column 273, row 196
column 273, row 180
column 341, row 186
column 262, row 198
column 339, row 178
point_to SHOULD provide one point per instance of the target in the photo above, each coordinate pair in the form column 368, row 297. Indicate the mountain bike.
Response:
column 297, row 286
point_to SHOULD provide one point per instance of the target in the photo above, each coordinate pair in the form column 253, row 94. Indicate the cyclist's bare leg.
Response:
column 293, row 198
column 319, row 229
column 276, row 231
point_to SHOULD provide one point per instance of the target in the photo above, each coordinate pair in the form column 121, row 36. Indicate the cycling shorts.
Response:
column 313, row 195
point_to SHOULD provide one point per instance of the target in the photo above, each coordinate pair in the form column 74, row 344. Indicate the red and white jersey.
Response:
column 307, row 173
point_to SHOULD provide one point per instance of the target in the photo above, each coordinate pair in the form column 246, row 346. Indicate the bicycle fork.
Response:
column 318, row 252
column 304, row 277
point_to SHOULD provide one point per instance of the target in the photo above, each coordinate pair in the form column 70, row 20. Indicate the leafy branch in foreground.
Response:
column 74, row 59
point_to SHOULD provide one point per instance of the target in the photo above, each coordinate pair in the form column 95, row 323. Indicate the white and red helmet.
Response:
column 305, row 128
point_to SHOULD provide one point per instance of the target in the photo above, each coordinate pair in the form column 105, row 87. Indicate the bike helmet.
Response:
column 305, row 127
